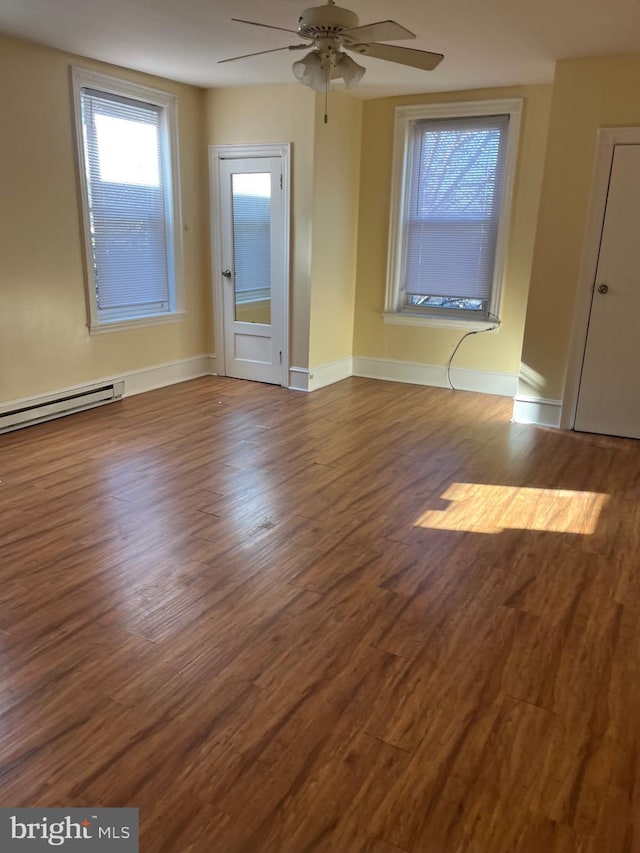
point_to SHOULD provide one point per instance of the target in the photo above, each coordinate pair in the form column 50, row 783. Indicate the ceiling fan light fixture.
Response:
column 349, row 70
column 310, row 71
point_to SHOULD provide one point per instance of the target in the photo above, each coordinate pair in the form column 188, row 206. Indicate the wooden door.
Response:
column 609, row 393
column 252, row 274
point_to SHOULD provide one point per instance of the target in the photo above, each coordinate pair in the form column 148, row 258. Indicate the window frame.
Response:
column 98, row 322
column 396, row 311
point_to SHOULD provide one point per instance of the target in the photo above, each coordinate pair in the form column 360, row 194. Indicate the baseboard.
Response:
column 135, row 381
column 161, row 375
column 528, row 410
column 310, row 379
column 327, row 374
column 298, row 379
column 536, row 410
column 464, row 379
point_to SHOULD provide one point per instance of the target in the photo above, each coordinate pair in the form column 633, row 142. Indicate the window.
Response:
column 450, row 208
column 127, row 146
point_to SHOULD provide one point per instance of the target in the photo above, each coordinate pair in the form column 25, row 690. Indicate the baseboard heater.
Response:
column 28, row 412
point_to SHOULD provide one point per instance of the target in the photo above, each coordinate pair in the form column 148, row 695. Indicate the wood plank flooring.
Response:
column 376, row 618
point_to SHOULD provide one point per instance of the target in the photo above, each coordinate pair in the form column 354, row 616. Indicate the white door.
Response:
column 609, row 394
column 253, row 273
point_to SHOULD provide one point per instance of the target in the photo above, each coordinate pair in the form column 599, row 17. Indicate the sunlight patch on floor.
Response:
column 483, row 508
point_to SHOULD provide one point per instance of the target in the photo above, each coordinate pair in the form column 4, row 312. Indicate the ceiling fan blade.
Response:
column 260, row 52
column 423, row 59
column 380, row 31
column 268, row 26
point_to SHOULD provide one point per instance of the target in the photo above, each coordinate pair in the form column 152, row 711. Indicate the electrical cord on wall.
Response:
column 498, row 322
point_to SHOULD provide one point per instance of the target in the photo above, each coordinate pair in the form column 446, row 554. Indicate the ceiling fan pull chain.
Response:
column 326, row 97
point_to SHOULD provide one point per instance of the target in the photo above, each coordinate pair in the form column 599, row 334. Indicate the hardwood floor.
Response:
column 375, row 618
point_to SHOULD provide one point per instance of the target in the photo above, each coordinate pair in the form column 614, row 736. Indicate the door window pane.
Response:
column 251, row 200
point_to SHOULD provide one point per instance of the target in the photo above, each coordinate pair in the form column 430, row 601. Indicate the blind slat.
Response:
column 457, row 174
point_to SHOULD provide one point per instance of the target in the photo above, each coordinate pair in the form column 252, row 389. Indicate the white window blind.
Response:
column 251, row 199
column 127, row 199
column 456, row 181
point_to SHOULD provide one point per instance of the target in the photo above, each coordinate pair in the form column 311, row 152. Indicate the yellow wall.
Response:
column 340, row 187
column 372, row 337
column 588, row 94
column 336, row 179
column 44, row 341
column 262, row 114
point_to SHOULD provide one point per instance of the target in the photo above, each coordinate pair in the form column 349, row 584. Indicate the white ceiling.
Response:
column 489, row 43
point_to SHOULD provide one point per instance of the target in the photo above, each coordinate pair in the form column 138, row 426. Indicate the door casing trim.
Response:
column 217, row 153
column 607, row 139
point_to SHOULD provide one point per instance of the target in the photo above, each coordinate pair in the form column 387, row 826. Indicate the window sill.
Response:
column 409, row 319
column 135, row 322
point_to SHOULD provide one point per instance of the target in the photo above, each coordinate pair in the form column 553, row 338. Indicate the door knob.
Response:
column 603, row 288
column 226, row 273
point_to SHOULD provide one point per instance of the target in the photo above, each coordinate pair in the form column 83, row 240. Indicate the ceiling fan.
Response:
column 333, row 30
